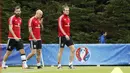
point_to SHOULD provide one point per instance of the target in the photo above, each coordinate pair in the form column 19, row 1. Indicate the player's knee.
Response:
column 22, row 51
column 8, row 52
column 73, row 50
column 59, row 53
column 33, row 52
column 39, row 53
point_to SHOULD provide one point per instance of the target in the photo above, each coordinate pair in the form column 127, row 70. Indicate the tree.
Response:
column 88, row 19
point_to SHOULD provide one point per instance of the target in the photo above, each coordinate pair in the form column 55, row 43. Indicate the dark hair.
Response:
column 103, row 32
column 17, row 7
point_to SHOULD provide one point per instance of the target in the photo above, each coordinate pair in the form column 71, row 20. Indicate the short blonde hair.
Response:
column 64, row 6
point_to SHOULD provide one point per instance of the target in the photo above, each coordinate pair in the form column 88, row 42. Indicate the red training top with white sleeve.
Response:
column 35, row 24
column 16, row 23
column 63, row 25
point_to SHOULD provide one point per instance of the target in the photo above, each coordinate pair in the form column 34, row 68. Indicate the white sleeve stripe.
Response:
column 11, row 20
column 60, row 25
column 30, row 21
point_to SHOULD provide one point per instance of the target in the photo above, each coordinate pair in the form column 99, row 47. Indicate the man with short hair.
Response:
column 102, row 38
column 14, row 38
column 64, row 36
column 34, row 25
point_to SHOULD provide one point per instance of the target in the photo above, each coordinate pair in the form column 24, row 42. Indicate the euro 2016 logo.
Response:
column 82, row 54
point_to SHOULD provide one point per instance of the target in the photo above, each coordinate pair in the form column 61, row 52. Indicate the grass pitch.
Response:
column 65, row 69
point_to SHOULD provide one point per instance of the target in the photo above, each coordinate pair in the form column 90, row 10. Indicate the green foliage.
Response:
column 88, row 19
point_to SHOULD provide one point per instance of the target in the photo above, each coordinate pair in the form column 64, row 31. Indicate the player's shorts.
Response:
column 63, row 41
column 12, row 43
column 36, row 44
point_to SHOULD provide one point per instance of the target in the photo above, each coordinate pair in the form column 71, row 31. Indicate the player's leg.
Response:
column 10, row 46
column 39, row 49
column 23, row 58
column 19, row 47
column 5, row 59
column 39, row 58
column 72, row 51
column 61, row 48
column 30, row 55
column 33, row 50
column 59, row 57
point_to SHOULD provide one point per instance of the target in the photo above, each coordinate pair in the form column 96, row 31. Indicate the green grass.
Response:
column 78, row 69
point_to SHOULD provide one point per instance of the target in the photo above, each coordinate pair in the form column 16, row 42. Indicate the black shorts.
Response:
column 36, row 44
column 63, row 41
column 12, row 43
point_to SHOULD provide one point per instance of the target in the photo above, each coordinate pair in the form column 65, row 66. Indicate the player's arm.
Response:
column 31, row 33
column 62, row 30
column 30, row 30
column 41, row 23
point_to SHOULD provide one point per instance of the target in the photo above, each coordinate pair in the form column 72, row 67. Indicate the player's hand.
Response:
column 41, row 21
column 67, row 37
column 16, row 38
column 35, row 39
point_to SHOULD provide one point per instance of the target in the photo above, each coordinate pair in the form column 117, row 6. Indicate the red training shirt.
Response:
column 63, row 25
column 35, row 24
column 16, row 23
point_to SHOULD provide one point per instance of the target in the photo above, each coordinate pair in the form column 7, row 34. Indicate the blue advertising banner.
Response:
column 85, row 54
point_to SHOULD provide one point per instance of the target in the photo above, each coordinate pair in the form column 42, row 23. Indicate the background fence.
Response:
column 85, row 54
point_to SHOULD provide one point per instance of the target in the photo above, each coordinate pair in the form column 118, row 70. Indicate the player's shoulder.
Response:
column 12, row 17
column 61, row 17
column 31, row 19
